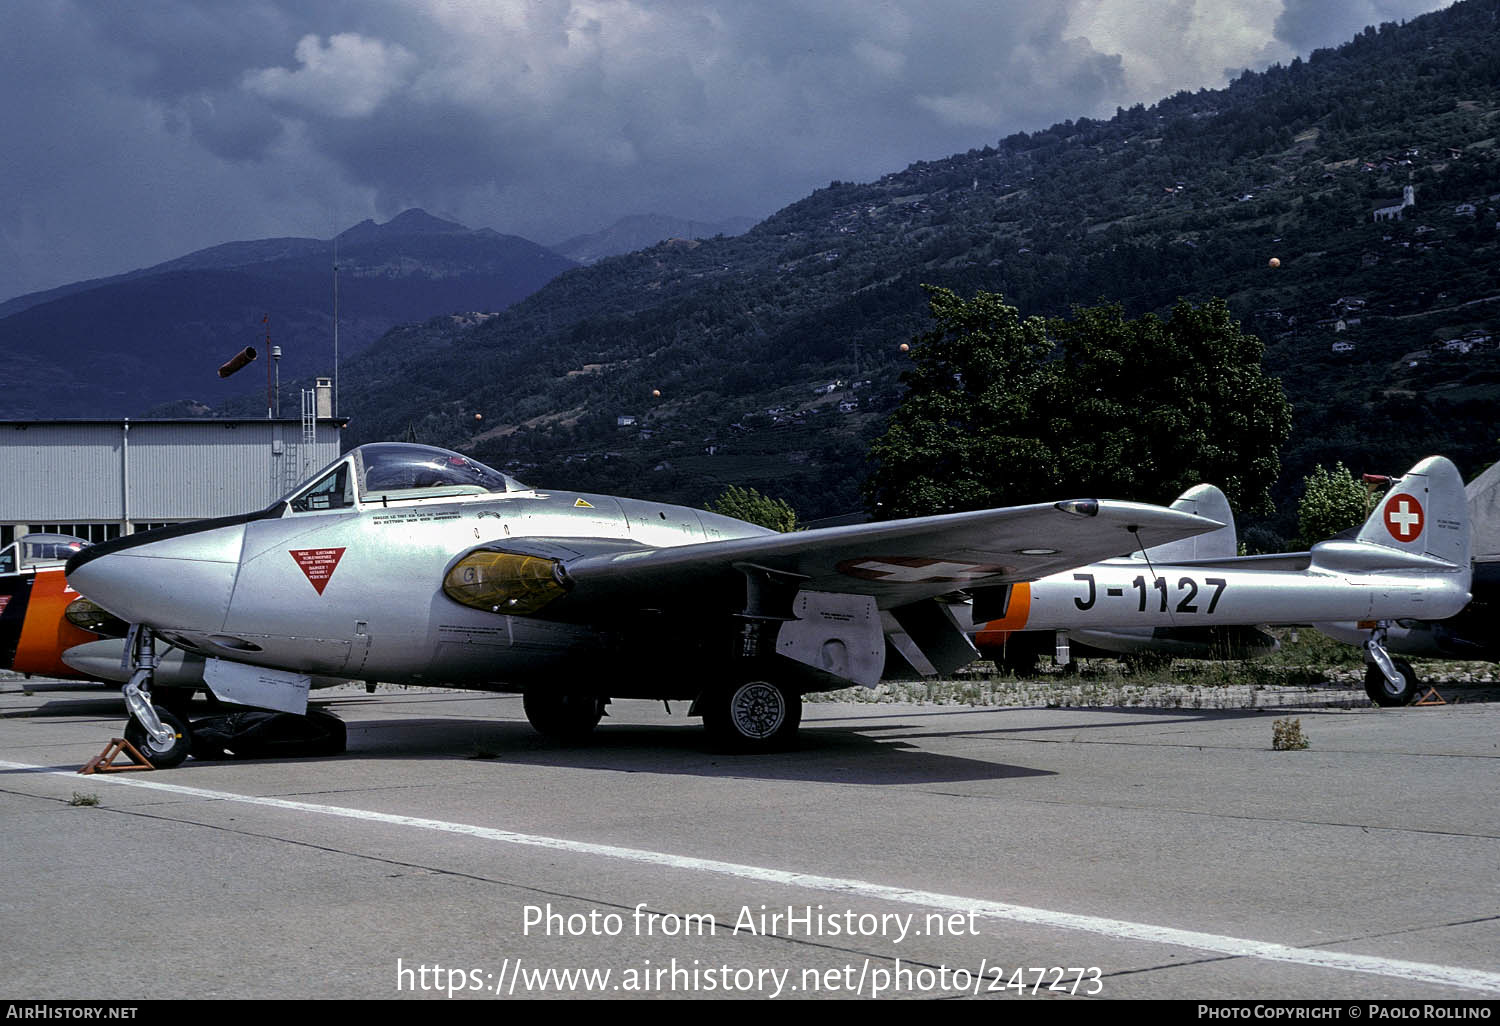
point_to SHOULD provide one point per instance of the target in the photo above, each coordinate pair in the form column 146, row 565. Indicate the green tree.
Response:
column 1001, row 411
column 969, row 432
column 749, row 505
column 1156, row 406
column 1332, row 501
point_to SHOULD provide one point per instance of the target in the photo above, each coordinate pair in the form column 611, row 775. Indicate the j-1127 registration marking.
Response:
column 1156, row 593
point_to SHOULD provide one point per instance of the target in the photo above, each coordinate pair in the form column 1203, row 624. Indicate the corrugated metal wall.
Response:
column 177, row 470
column 60, row 471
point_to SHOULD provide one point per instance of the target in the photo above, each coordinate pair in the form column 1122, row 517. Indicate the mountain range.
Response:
column 128, row 344
column 641, row 231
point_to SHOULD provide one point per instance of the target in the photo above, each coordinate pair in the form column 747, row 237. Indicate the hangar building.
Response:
column 99, row 479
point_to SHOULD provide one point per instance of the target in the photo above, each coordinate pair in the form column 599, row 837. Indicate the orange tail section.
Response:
column 995, row 633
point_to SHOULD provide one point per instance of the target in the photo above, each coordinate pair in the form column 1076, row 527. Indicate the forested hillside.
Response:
column 674, row 371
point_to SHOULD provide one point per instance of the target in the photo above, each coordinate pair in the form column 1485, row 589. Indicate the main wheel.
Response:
column 1382, row 692
column 562, row 716
column 162, row 756
column 1018, row 660
column 753, row 715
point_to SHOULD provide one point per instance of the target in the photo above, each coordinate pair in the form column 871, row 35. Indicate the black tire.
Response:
column 336, row 739
column 161, row 756
column 753, row 716
column 562, row 716
column 1018, row 661
column 1382, row 693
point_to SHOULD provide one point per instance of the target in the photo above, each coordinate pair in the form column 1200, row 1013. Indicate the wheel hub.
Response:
column 758, row 709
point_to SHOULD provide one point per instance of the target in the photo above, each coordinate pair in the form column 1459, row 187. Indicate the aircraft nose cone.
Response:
column 178, row 577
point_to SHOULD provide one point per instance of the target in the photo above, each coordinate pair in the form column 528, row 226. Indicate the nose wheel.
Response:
column 163, row 753
column 1388, row 682
column 158, row 734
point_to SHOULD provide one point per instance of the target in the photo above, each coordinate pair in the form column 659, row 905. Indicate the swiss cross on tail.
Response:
column 318, row 564
column 1403, row 517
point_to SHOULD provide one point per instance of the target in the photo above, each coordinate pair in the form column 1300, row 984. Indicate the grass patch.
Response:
column 1305, row 659
column 1287, row 736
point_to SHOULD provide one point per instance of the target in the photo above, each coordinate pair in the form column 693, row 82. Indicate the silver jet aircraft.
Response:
column 414, row 565
column 1022, row 649
column 1469, row 635
column 1409, row 561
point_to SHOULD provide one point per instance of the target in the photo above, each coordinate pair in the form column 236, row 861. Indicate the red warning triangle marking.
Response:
column 318, row 564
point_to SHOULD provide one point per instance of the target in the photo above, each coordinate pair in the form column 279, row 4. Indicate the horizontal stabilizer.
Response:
column 1204, row 500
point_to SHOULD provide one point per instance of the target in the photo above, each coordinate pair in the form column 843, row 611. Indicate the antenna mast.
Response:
column 335, row 322
column 270, row 395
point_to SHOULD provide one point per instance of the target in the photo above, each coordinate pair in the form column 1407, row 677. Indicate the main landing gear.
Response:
column 1388, row 681
column 751, row 715
column 159, row 735
column 561, row 716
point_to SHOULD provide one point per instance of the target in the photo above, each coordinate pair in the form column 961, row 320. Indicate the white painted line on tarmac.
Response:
column 1238, row 947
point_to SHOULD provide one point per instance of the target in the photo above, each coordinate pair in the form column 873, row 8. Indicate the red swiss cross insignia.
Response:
column 1403, row 517
column 318, row 564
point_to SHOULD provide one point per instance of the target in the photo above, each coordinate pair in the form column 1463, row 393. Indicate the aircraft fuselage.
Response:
column 331, row 592
column 1128, row 593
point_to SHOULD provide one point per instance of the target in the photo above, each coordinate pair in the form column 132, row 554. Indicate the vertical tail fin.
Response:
column 1484, row 514
column 1425, row 513
column 1206, row 500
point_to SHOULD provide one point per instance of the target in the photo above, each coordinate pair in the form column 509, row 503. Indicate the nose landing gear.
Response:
column 159, row 735
column 1388, row 682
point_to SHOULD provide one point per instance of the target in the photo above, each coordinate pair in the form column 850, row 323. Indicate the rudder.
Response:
column 1205, row 500
column 1426, row 513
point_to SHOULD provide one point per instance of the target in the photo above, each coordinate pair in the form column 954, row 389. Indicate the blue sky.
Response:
column 140, row 132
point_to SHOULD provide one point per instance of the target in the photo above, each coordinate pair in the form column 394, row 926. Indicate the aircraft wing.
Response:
column 897, row 562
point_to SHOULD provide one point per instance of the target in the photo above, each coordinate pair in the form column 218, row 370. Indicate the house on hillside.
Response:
column 1392, row 211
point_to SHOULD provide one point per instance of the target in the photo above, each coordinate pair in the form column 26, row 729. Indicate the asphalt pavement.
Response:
column 901, row 851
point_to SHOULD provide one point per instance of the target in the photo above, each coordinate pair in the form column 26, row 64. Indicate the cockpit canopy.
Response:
column 386, row 472
column 31, row 550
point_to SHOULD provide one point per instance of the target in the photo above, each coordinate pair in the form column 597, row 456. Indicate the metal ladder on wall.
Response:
column 309, row 446
column 296, row 461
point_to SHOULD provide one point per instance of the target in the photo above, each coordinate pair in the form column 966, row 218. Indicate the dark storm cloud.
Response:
column 1307, row 25
column 643, row 106
column 139, row 132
